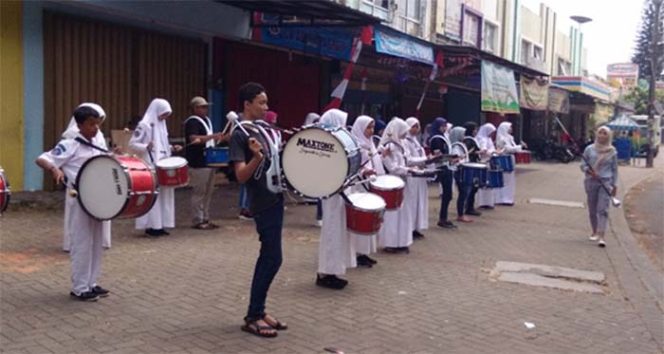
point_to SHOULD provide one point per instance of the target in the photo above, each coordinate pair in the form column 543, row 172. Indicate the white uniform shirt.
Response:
column 70, row 155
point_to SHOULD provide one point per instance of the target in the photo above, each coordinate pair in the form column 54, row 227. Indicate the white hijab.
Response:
column 484, row 137
column 359, row 127
column 72, row 129
column 311, row 118
column 503, row 135
column 457, row 134
column 334, row 118
column 151, row 121
column 412, row 121
column 393, row 132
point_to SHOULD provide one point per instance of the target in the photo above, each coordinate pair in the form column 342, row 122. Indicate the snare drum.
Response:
column 390, row 188
column 364, row 213
column 502, row 162
column 172, row 172
column 494, row 179
column 317, row 161
column 5, row 194
column 217, row 156
column 474, row 174
column 112, row 187
column 522, row 157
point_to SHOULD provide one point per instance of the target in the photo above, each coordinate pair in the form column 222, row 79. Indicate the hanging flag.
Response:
column 434, row 73
column 339, row 92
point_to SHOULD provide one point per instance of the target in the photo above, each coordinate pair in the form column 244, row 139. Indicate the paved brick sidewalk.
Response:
column 187, row 293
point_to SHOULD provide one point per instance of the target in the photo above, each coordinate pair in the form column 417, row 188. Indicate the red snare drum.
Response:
column 5, row 194
column 522, row 156
column 172, row 172
column 112, row 187
column 364, row 213
column 390, row 188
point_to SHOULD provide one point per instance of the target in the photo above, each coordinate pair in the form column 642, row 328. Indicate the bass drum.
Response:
column 112, row 187
column 317, row 162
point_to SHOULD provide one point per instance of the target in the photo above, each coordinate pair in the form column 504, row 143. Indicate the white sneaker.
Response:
column 601, row 244
column 319, row 223
column 593, row 238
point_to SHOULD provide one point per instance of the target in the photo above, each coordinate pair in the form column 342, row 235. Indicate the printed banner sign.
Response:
column 558, row 100
column 534, row 94
column 392, row 43
column 498, row 89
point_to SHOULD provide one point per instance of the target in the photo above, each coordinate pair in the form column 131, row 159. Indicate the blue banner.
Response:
column 329, row 42
column 403, row 46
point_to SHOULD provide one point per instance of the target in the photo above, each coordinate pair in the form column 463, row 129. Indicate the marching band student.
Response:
column 420, row 200
column 64, row 162
column 473, row 156
column 600, row 166
column 505, row 142
column 336, row 250
column 439, row 143
column 99, row 140
column 456, row 136
column 254, row 159
column 485, row 196
column 362, row 131
column 150, row 139
column 396, row 234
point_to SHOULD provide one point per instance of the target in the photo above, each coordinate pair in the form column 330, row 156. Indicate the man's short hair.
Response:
column 249, row 91
column 81, row 114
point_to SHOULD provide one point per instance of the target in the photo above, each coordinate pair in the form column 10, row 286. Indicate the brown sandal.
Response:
column 261, row 331
column 278, row 325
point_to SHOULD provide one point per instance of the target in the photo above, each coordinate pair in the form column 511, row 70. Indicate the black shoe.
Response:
column 163, row 232
column 446, row 225
column 391, row 250
column 506, row 204
column 86, row 296
column 101, row 292
column 152, row 232
column 405, row 250
column 473, row 213
column 417, row 235
column 363, row 261
column 331, row 282
column 487, row 207
column 371, row 260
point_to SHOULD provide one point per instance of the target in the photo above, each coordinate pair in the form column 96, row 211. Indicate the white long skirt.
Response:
column 162, row 213
column 336, row 250
column 505, row 195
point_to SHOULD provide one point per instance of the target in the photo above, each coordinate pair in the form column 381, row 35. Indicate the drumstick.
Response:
column 152, row 141
column 233, row 117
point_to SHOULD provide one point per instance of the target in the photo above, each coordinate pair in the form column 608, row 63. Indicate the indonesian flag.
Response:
column 339, row 92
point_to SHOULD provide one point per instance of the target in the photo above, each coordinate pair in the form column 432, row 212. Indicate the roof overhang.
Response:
column 483, row 55
column 303, row 13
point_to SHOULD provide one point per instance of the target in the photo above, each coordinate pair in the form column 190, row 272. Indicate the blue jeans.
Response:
column 244, row 197
column 446, row 179
column 269, row 223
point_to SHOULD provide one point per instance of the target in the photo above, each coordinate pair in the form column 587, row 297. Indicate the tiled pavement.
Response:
column 187, row 293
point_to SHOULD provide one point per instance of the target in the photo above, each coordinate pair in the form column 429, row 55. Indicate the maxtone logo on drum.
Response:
column 316, row 145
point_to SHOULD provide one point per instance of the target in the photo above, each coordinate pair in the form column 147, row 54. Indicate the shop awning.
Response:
column 303, row 13
column 623, row 123
column 483, row 55
column 583, row 85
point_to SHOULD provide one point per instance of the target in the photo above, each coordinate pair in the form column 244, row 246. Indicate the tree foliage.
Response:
column 643, row 50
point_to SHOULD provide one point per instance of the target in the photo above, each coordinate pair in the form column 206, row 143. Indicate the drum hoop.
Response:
column 183, row 164
column 354, row 206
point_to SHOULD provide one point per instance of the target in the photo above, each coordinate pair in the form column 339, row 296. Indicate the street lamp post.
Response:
column 580, row 20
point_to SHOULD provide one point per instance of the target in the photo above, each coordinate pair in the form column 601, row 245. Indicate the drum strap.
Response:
column 87, row 143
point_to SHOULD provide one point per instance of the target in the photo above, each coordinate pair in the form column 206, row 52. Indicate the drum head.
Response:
column 474, row 165
column 388, row 183
column 315, row 163
column 367, row 201
column 172, row 162
column 102, row 187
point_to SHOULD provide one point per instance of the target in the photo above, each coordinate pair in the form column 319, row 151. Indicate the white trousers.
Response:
column 86, row 250
column 66, row 239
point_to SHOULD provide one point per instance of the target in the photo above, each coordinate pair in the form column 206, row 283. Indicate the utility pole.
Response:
column 655, row 37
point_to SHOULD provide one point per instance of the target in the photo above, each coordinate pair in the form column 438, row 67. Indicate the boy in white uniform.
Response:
column 64, row 162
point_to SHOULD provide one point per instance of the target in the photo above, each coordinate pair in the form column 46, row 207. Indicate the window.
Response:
column 378, row 8
column 471, row 29
column 413, row 9
column 490, row 42
column 564, row 67
column 537, row 53
column 526, row 48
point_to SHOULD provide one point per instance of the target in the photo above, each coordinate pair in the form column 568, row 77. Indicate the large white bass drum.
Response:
column 317, row 161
